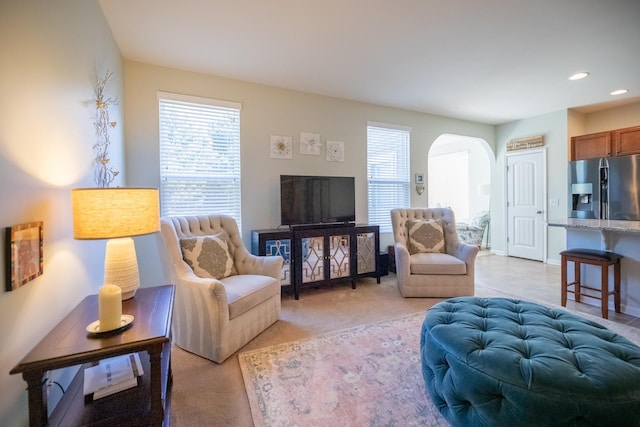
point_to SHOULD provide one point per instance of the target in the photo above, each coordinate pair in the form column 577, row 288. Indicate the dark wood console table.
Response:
column 68, row 345
column 322, row 253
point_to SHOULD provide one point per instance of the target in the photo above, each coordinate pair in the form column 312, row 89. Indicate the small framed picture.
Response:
column 310, row 143
column 24, row 254
column 281, row 147
column 335, row 151
column 419, row 178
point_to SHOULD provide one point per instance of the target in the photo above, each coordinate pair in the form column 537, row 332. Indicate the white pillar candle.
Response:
column 109, row 307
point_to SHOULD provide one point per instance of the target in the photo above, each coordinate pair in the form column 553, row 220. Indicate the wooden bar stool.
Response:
column 592, row 257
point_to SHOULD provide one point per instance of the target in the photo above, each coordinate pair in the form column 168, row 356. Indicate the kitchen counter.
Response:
column 596, row 224
column 622, row 237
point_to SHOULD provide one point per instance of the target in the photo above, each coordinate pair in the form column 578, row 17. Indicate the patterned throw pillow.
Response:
column 208, row 256
column 425, row 236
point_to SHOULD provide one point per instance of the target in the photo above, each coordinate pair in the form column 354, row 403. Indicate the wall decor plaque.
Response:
column 525, row 143
column 24, row 254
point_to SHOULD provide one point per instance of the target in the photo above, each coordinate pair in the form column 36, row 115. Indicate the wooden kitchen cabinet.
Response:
column 626, row 141
column 618, row 142
column 591, row 146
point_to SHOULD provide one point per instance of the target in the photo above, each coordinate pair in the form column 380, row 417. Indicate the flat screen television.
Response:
column 317, row 199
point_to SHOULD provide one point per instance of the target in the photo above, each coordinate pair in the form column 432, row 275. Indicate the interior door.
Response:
column 525, row 205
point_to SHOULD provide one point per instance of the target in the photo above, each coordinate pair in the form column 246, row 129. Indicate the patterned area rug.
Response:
column 367, row 375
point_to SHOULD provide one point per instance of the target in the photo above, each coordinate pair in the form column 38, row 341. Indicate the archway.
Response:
column 459, row 175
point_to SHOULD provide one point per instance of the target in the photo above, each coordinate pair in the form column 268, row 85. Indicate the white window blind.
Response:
column 387, row 171
column 199, row 156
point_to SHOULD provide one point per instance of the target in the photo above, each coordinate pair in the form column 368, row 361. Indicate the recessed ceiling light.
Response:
column 578, row 76
column 619, row 92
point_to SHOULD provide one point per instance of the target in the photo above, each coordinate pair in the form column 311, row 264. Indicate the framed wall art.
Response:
column 310, row 143
column 24, row 254
column 281, row 147
column 335, row 151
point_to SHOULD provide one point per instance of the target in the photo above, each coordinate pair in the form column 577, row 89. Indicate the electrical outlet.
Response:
column 554, row 202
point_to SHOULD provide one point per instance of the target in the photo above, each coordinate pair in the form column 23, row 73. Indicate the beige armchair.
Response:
column 214, row 317
column 426, row 264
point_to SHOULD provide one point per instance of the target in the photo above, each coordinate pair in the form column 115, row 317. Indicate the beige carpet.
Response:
column 366, row 375
column 211, row 394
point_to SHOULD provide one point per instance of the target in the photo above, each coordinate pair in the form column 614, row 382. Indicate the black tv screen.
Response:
column 317, row 199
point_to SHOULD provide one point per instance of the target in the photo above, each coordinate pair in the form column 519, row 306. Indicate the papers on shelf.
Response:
column 112, row 375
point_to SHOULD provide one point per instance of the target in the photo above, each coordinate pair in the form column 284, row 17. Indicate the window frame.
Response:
column 209, row 126
column 397, row 193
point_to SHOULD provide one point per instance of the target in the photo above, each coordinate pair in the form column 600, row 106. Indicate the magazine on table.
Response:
column 112, row 375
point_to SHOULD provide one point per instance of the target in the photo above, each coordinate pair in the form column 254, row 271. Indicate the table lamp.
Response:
column 116, row 214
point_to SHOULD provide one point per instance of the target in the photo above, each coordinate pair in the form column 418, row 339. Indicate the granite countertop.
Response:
column 596, row 224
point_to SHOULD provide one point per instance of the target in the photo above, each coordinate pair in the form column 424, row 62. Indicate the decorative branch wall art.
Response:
column 104, row 173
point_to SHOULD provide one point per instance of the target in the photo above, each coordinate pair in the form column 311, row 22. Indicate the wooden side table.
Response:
column 68, row 344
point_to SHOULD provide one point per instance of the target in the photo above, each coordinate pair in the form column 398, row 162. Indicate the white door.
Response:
column 525, row 205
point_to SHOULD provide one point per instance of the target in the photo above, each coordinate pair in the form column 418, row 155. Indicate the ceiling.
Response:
column 489, row 61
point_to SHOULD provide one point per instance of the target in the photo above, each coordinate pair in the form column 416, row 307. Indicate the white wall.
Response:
column 50, row 52
column 553, row 127
column 270, row 111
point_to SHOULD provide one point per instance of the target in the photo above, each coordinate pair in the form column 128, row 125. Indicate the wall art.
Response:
column 525, row 143
column 281, row 147
column 335, row 151
column 24, row 254
column 104, row 173
column 310, row 143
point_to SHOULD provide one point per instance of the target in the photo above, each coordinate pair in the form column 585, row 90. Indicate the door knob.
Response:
column 539, row 212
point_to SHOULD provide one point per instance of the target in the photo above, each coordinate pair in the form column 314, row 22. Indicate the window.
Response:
column 199, row 156
column 387, row 171
column 449, row 182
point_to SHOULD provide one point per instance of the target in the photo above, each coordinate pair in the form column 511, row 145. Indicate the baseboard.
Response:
column 548, row 260
column 625, row 309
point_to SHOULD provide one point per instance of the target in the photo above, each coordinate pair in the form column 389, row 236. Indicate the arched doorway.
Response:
column 459, row 175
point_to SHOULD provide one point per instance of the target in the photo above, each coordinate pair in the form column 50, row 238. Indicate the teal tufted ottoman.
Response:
column 504, row 362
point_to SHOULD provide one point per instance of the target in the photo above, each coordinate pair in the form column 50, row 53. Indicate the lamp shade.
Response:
column 106, row 213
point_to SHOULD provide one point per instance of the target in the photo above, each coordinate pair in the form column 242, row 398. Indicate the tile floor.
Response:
column 536, row 280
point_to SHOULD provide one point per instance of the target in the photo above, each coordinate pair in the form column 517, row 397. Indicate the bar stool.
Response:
column 598, row 258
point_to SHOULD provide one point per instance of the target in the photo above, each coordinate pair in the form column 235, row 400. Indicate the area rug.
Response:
column 369, row 375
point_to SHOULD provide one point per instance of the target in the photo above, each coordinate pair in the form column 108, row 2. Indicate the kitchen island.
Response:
column 622, row 237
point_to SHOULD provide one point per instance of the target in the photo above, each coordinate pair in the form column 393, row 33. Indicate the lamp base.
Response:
column 129, row 294
column 121, row 266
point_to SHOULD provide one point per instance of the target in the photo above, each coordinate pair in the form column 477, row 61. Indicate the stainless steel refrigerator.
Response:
column 606, row 188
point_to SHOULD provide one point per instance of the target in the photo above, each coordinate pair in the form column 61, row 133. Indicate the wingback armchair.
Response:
column 225, row 296
column 431, row 261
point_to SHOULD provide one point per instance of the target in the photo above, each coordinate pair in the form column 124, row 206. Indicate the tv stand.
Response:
column 320, row 254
